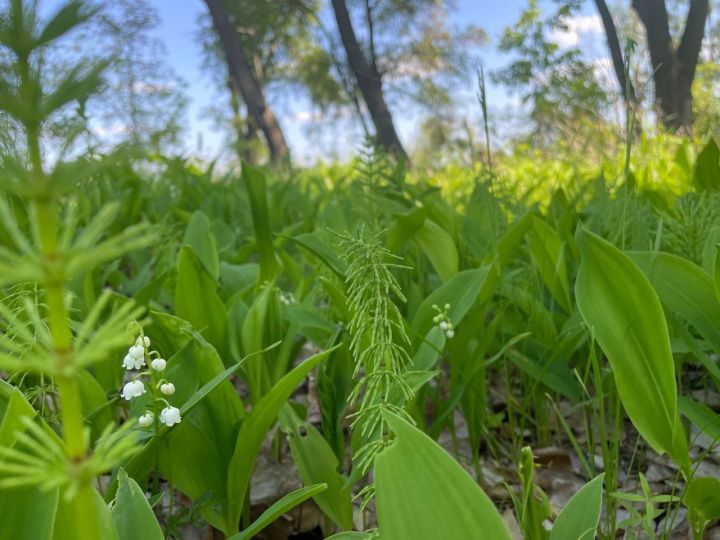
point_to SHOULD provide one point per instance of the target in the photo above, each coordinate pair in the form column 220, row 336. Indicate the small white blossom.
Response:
column 143, row 341
column 146, row 420
column 444, row 325
column 167, row 388
column 170, row 416
column 450, row 333
column 128, row 362
column 137, row 352
column 133, row 389
column 158, row 364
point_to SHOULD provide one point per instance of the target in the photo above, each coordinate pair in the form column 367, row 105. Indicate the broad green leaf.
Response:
column 424, row 494
column 27, row 512
column 251, row 435
column 237, row 278
column 703, row 496
column 317, row 247
column 440, row 248
column 96, row 517
column 254, row 181
column 702, row 416
column 132, row 513
column 199, row 237
column 316, row 463
column 279, row 508
column 625, row 316
column 253, row 334
column 581, row 515
column 685, row 289
column 404, row 228
column 548, row 253
column 197, row 301
column 350, row 535
column 706, row 176
column 95, row 405
column 460, row 292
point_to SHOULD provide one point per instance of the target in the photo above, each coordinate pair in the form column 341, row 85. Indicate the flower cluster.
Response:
column 137, row 357
column 443, row 321
column 287, row 298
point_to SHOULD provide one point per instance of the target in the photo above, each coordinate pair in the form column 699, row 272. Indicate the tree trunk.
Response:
column 243, row 80
column 673, row 69
column 369, row 81
column 626, row 88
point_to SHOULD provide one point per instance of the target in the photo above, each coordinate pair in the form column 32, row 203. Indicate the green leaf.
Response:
column 581, row 515
column 704, row 418
column 548, row 253
column 252, row 432
column 316, row 463
column 255, row 184
column 706, row 176
column 703, row 496
column 197, row 301
column 424, row 494
column 440, row 248
column 317, row 247
column 27, row 512
column 685, row 289
column 461, row 292
column 69, row 511
column 625, row 316
column 132, row 513
column 280, row 508
column 199, row 237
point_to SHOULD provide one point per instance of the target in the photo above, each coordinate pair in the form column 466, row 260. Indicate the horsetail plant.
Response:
column 43, row 338
column 378, row 342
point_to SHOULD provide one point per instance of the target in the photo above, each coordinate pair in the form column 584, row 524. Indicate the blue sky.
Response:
column 178, row 32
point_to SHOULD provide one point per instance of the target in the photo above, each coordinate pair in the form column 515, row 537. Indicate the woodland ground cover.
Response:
column 523, row 350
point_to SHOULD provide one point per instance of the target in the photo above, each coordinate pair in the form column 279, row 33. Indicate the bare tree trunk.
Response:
column 673, row 69
column 243, row 80
column 626, row 88
column 370, row 82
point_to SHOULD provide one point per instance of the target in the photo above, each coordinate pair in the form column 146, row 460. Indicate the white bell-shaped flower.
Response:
column 167, row 388
column 146, row 420
column 170, row 416
column 137, row 352
column 143, row 341
column 158, row 364
column 444, row 325
column 133, row 389
column 128, row 362
column 450, row 333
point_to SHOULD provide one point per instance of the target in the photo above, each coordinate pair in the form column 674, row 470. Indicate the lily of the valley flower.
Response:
column 167, row 388
column 133, row 389
column 158, row 364
column 146, row 419
column 143, row 341
column 170, row 416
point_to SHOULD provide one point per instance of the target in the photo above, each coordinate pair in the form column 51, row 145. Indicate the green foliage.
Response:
column 423, row 493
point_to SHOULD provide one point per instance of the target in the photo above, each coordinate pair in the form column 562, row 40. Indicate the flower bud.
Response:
column 133, row 389
column 143, row 341
column 444, row 325
column 158, row 364
column 146, row 420
column 167, row 388
column 170, row 416
column 450, row 333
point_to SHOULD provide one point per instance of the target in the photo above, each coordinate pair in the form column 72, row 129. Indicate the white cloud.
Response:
column 576, row 28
